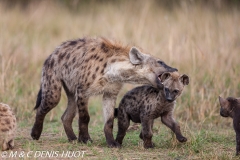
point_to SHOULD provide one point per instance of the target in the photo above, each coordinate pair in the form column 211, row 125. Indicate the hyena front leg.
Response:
column 141, row 135
column 236, row 121
column 146, row 133
column 109, row 101
column 168, row 120
column 49, row 96
column 84, row 118
column 237, row 143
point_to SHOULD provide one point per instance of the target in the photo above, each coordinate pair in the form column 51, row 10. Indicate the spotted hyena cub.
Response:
column 230, row 107
column 7, row 127
column 146, row 103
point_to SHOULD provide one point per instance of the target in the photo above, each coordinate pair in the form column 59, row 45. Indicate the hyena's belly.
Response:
column 135, row 118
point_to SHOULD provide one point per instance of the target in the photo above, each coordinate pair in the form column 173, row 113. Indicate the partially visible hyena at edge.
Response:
column 145, row 103
column 86, row 67
column 230, row 107
column 7, row 127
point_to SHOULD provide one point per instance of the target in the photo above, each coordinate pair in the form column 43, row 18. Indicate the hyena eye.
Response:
column 176, row 91
column 166, row 89
column 161, row 62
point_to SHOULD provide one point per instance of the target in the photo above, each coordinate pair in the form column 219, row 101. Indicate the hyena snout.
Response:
column 223, row 113
column 170, row 69
column 168, row 96
column 166, row 67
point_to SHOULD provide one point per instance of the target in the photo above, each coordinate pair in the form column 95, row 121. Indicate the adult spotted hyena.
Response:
column 87, row 67
column 145, row 103
column 230, row 107
column 7, row 127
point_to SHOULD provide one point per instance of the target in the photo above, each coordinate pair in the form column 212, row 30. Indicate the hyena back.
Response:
column 145, row 103
column 87, row 67
column 7, row 127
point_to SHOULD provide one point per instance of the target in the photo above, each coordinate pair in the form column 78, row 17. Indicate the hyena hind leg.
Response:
column 68, row 116
column 123, row 124
column 7, row 145
column 49, row 98
column 84, row 118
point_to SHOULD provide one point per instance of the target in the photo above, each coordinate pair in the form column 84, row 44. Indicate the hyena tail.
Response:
column 115, row 112
column 39, row 99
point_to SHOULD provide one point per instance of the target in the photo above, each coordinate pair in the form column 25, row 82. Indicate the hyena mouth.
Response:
column 159, row 77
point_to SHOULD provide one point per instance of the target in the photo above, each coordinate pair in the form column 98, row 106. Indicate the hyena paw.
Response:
column 237, row 153
column 114, row 144
column 36, row 131
column 72, row 138
column 149, row 145
column 35, row 135
column 119, row 141
column 182, row 139
column 85, row 140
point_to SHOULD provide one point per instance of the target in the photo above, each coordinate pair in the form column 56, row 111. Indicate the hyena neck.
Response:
column 124, row 72
column 235, row 111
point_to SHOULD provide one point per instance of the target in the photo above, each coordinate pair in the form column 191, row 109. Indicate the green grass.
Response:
column 207, row 143
column 200, row 40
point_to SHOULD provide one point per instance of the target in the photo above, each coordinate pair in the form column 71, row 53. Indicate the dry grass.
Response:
column 200, row 41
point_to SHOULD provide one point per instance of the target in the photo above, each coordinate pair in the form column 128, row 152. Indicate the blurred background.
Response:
column 200, row 38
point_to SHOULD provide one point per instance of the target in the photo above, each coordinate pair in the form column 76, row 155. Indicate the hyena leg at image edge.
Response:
column 123, row 124
column 49, row 99
column 237, row 130
column 84, row 118
column 109, row 101
column 238, row 143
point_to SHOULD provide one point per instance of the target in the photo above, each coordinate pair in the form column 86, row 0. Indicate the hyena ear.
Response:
column 221, row 100
column 184, row 79
column 135, row 56
column 165, row 76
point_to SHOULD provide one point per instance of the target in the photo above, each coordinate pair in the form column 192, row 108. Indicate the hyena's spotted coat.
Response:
column 7, row 127
column 87, row 67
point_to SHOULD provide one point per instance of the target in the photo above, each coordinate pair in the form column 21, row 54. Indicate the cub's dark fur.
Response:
column 230, row 107
column 145, row 103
